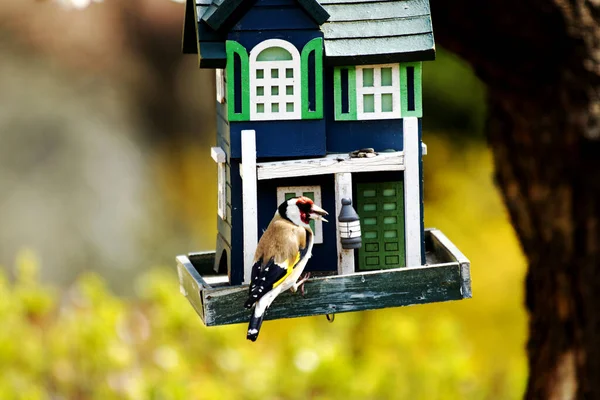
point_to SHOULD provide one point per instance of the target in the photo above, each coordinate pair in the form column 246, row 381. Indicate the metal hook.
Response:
column 330, row 317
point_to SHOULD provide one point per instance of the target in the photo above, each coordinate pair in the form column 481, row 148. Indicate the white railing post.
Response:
column 249, row 202
column 343, row 189
column 412, row 192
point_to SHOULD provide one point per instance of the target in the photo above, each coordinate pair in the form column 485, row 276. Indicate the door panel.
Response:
column 380, row 207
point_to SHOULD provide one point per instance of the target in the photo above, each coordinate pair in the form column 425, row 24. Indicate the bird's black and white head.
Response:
column 300, row 210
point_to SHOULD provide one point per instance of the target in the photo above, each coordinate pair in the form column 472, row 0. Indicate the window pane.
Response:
column 275, row 107
column 274, row 90
column 260, row 73
column 289, row 195
column 289, row 90
column 260, row 91
column 368, row 77
column 369, row 193
column 310, row 195
column 289, row 107
column 389, row 192
column 370, row 207
column 289, row 73
column 389, row 206
column 370, row 221
column 370, row 235
column 390, row 220
column 260, row 108
column 386, row 77
column 387, row 102
column 369, row 103
column 274, row 54
column 275, row 73
column 390, row 234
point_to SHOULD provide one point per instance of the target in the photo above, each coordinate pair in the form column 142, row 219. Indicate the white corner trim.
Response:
column 221, row 191
column 249, row 200
column 343, row 189
column 220, row 84
column 218, row 154
column 412, row 191
column 298, row 190
column 330, row 164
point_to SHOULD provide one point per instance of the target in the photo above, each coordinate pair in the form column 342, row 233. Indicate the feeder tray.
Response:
column 445, row 276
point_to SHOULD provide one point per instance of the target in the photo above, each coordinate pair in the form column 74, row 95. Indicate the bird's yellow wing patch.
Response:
column 288, row 267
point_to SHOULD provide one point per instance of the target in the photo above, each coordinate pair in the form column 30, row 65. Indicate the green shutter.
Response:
column 337, row 87
column 315, row 45
column 381, row 210
column 418, row 106
column 232, row 47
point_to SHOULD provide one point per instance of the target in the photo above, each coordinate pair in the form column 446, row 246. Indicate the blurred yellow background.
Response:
column 105, row 176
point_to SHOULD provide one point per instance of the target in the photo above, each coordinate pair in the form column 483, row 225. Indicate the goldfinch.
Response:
column 281, row 256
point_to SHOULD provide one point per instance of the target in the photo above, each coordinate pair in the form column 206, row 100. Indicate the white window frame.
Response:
column 298, row 190
column 220, row 83
column 267, row 82
column 219, row 156
column 377, row 90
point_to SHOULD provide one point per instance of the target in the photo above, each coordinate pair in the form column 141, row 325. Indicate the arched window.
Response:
column 275, row 81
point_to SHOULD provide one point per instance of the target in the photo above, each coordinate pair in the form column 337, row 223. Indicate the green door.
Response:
column 381, row 211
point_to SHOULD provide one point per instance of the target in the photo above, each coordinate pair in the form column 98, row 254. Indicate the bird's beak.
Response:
column 317, row 213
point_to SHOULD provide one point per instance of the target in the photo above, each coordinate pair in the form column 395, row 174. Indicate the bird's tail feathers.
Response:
column 254, row 326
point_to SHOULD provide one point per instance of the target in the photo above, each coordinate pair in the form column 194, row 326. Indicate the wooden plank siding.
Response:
column 445, row 277
column 376, row 11
column 384, row 28
column 378, row 50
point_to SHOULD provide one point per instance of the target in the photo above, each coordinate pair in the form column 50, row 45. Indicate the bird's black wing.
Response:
column 266, row 277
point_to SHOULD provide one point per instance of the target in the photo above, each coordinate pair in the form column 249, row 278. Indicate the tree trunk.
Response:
column 540, row 62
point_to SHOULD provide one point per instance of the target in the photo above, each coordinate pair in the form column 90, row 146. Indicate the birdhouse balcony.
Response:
column 444, row 277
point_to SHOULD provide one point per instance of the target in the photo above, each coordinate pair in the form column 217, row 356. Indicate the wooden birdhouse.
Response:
column 321, row 99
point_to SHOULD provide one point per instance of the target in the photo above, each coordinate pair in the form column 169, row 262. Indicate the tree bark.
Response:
column 540, row 62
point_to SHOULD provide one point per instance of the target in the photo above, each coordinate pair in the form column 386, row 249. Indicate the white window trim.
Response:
column 220, row 158
column 298, row 190
column 377, row 90
column 220, row 83
column 281, row 82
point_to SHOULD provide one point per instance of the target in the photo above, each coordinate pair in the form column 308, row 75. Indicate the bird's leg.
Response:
column 300, row 284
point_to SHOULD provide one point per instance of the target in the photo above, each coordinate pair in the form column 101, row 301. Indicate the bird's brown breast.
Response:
column 281, row 241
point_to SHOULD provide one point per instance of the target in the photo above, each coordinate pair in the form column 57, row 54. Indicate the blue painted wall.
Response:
column 281, row 138
column 266, row 15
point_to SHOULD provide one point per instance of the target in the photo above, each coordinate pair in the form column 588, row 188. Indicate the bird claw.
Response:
column 300, row 284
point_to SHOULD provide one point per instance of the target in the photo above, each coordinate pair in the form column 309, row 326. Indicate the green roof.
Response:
column 354, row 31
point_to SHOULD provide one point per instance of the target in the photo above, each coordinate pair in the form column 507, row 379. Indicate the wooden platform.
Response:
column 445, row 277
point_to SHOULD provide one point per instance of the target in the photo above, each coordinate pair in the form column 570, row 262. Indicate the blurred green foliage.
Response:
column 454, row 99
column 86, row 343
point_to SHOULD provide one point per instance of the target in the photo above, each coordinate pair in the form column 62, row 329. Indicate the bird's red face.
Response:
column 305, row 206
column 309, row 210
